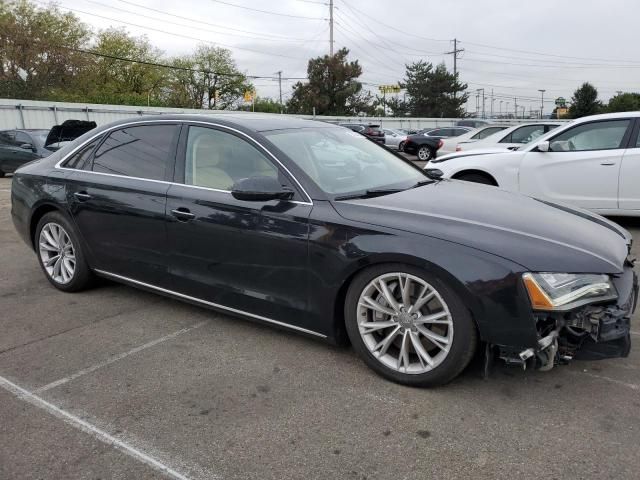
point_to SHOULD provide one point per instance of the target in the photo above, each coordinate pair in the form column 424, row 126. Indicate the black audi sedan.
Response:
column 311, row 227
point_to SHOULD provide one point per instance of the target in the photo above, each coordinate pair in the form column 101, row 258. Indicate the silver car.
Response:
column 395, row 138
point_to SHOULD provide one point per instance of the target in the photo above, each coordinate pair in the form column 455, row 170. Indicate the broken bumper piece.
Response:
column 590, row 332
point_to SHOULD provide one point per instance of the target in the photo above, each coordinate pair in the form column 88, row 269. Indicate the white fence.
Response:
column 39, row 114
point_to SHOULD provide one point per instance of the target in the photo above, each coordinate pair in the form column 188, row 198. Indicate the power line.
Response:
column 177, row 34
column 268, row 12
column 202, row 22
column 283, row 39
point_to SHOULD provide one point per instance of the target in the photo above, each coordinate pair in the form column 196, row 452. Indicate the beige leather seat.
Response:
column 207, row 160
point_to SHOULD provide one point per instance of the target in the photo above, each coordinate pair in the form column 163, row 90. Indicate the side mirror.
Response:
column 260, row 189
column 433, row 173
column 26, row 146
column 543, row 147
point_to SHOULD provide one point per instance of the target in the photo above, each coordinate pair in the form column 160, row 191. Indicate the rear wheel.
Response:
column 477, row 178
column 60, row 253
column 401, row 147
column 409, row 326
column 425, row 153
column 1, row 174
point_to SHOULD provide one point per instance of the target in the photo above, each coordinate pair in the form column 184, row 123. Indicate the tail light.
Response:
column 458, row 148
column 440, row 144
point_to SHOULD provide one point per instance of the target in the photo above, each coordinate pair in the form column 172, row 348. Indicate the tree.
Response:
column 37, row 49
column 585, row 102
column 266, row 105
column 624, row 102
column 399, row 108
column 333, row 88
column 110, row 80
column 433, row 92
column 210, row 80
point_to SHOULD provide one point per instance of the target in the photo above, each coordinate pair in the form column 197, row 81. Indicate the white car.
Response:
column 449, row 144
column 592, row 162
column 394, row 138
column 511, row 137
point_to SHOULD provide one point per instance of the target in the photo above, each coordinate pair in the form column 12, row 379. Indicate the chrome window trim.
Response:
column 211, row 304
column 182, row 122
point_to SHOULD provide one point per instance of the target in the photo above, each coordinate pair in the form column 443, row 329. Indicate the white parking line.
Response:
column 632, row 386
column 97, row 366
column 86, row 427
column 635, row 333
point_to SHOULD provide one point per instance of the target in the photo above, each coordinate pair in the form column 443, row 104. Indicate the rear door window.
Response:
column 142, row 151
column 81, row 159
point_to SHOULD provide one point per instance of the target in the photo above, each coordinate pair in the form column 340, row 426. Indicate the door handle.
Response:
column 607, row 163
column 183, row 214
column 82, row 196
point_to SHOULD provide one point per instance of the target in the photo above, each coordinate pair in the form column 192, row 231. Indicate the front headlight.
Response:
column 563, row 291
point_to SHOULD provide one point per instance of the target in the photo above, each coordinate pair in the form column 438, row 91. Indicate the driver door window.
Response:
column 606, row 135
column 217, row 159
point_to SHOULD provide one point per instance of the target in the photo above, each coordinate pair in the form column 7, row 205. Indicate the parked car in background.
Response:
column 69, row 130
column 445, row 132
column 449, row 144
column 18, row 147
column 509, row 138
column 371, row 131
column 395, row 138
column 21, row 146
column 472, row 123
column 424, row 147
column 238, row 214
column 592, row 162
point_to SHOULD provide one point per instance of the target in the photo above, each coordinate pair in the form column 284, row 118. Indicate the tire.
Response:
column 401, row 147
column 2, row 174
column 425, row 153
column 477, row 178
column 450, row 322
column 71, row 273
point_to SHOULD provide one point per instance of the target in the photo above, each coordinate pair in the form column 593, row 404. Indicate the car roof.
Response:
column 605, row 116
column 256, row 122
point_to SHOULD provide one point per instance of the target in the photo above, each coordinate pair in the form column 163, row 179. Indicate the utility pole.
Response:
column 515, row 101
column 483, row 110
column 500, row 108
column 331, row 28
column 280, row 88
column 455, row 52
column 541, row 101
column 492, row 99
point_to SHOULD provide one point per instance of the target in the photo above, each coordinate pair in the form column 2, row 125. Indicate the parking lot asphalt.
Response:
column 117, row 383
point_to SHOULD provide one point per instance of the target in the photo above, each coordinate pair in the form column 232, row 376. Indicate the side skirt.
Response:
column 198, row 301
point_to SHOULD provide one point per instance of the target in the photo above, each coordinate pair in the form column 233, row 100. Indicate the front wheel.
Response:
column 425, row 154
column 1, row 174
column 409, row 326
column 401, row 147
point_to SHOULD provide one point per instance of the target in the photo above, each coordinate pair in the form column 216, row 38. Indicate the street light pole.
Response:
column 541, row 101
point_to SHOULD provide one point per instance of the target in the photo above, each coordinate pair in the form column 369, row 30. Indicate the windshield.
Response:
column 39, row 137
column 341, row 161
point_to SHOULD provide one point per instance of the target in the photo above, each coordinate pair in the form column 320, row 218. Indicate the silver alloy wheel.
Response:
column 405, row 323
column 57, row 253
column 424, row 153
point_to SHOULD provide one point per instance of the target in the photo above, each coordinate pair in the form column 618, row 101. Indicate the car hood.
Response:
column 538, row 235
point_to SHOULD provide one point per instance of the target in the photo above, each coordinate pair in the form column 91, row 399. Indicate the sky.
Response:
column 512, row 48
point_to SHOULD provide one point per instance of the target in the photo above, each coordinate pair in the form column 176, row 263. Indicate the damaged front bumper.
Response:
column 589, row 332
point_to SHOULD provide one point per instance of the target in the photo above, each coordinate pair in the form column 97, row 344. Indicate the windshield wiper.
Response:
column 377, row 192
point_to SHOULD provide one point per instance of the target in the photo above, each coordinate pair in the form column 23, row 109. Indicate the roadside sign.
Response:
column 248, row 96
column 389, row 88
column 561, row 112
column 561, row 102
